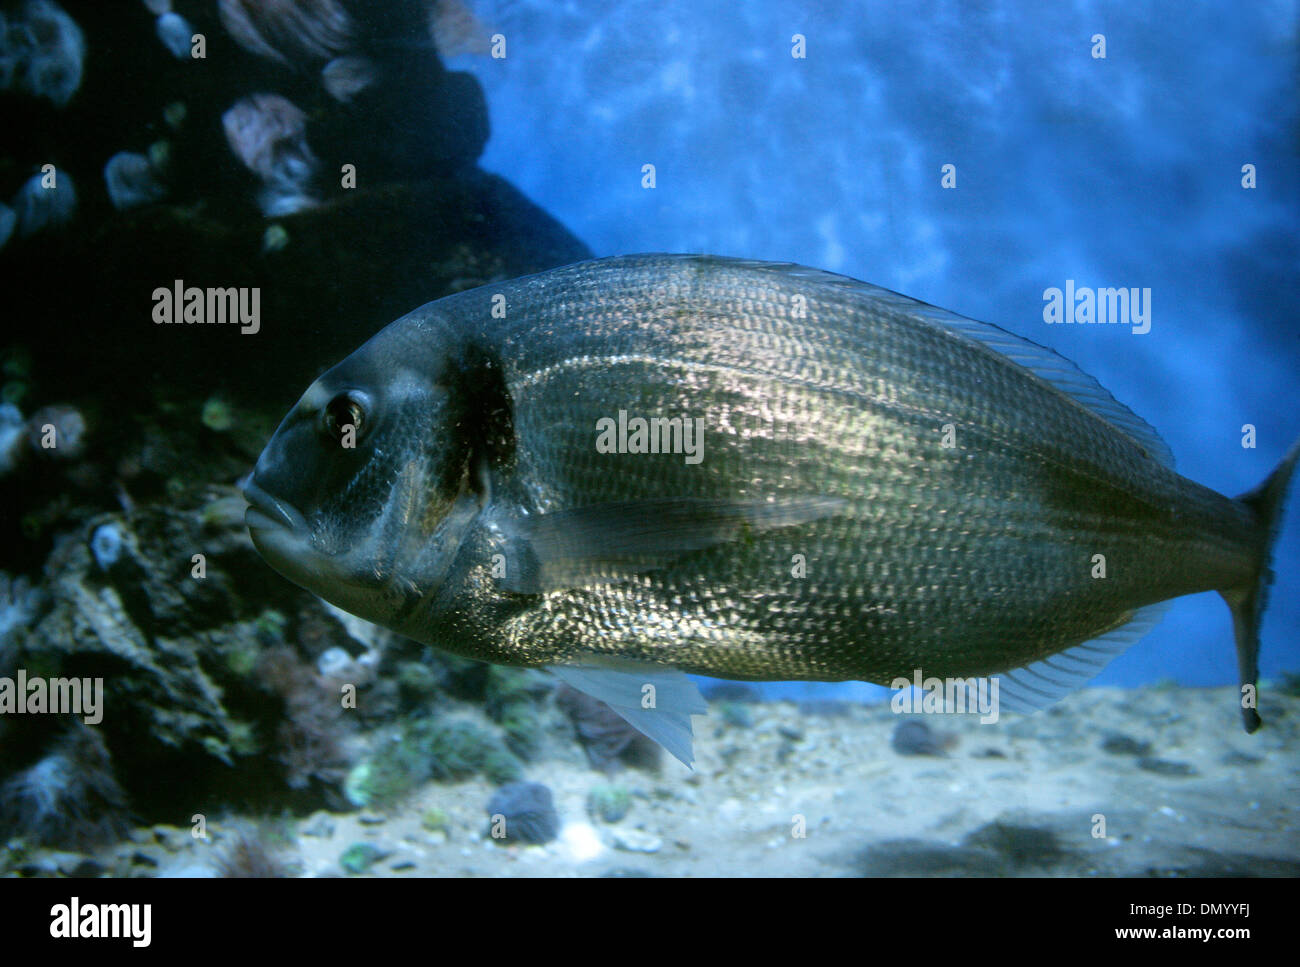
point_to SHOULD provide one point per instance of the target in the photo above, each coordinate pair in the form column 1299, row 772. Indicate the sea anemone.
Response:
column 58, row 431
column 68, row 799
column 346, row 77
column 268, row 133
column 13, row 437
column 455, row 30
column 132, row 181
column 41, row 51
column 20, row 605
column 288, row 31
column 39, row 208
column 176, row 34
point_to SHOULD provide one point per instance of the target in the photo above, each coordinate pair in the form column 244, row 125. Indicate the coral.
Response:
column 501, row 767
column 608, row 803
column 20, row 603
column 132, row 181
column 309, row 740
column 455, row 750
column 418, row 683
column 510, row 696
column 400, row 765
column 39, row 208
column 528, row 810
column 41, row 52
column 69, row 798
column 430, row 748
column 435, row 820
column 608, row 739
column 251, row 854
column 523, row 729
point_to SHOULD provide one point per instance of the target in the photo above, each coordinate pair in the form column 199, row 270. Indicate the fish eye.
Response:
column 344, row 418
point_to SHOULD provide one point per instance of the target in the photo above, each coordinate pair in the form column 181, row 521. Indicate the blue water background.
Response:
column 1117, row 172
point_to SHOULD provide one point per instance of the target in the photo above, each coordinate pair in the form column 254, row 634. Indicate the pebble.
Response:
column 636, row 841
column 1166, row 767
column 319, row 825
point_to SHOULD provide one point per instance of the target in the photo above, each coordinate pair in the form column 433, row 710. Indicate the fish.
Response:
column 634, row 469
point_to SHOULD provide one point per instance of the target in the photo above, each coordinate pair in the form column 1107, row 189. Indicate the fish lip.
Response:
column 266, row 512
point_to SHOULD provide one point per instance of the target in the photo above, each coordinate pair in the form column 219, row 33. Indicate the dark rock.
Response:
column 1020, row 846
column 523, row 812
column 914, row 737
column 1166, row 767
column 1117, row 744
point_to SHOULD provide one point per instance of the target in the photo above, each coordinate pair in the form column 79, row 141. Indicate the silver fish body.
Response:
column 877, row 486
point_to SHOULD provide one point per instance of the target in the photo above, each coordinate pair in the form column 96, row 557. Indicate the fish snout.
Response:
column 265, row 511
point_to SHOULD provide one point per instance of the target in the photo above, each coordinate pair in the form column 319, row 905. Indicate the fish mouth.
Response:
column 266, row 512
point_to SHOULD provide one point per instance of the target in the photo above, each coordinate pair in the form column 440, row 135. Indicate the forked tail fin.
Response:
column 1247, row 604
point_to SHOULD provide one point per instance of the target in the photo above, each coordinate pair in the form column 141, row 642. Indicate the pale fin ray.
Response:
column 676, row 699
column 1047, row 681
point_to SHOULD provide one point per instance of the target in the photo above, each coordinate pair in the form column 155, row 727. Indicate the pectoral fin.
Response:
column 612, row 542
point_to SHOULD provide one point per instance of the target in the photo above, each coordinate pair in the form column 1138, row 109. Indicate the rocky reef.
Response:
column 319, row 154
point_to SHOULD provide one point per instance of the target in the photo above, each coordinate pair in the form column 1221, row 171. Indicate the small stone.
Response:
column 435, row 820
column 636, row 841
column 359, row 857
column 319, row 825
column 1166, row 767
column 334, row 663
column 1118, row 744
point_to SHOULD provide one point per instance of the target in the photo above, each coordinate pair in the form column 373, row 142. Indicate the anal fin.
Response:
column 1047, row 681
column 672, row 700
